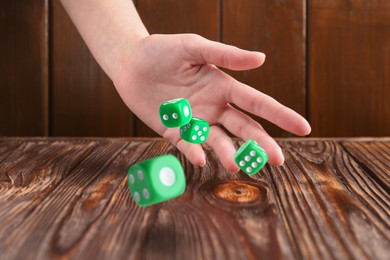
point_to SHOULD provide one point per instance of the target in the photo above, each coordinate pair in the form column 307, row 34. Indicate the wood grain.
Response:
column 68, row 198
column 276, row 28
column 329, row 205
column 349, row 64
column 373, row 157
column 24, row 68
column 84, row 101
column 328, row 60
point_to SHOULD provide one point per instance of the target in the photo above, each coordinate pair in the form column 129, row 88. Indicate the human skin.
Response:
column 148, row 70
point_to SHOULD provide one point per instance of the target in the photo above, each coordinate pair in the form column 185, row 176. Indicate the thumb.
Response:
column 204, row 51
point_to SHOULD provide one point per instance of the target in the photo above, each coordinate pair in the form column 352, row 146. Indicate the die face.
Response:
column 167, row 177
column 250, row 157
column 139, row 185
column 175, row 113
column 163, row 179
column 196, row 131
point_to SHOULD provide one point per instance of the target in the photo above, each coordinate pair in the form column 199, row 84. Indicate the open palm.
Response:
column 165, row 67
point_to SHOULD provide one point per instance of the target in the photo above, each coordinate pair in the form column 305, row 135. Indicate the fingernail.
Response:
column 262, row 55
column 235, row 171
column 203, row 162
column 281, row 155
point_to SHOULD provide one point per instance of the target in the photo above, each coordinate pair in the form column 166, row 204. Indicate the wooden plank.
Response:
column 84, row 101
column 320, row 204
column 48, row 192
column 24, row 68
column 329, row 205
column 220, row 217
column 177, row 16
column 70, row 212
column 374, row 157
column 349, row 64
column 276, row 28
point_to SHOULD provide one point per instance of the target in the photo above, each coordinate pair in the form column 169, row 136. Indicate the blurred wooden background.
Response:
column 328, row 60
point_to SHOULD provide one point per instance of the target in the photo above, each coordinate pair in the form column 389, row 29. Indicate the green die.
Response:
column 156, row 180
column 196, row 131
column 250, row 157
column 175, row 113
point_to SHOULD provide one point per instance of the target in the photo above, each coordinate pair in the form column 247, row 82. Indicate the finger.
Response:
column 224, row 148
column 267, row 107
column 244, row 127
column 193, row 152
column 204, row 51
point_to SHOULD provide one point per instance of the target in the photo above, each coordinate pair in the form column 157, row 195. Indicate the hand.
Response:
column 159, row 68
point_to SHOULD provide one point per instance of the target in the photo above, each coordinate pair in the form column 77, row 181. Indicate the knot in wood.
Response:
column 236, row 191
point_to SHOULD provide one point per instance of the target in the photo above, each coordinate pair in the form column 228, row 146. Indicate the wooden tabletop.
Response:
column 68, row 198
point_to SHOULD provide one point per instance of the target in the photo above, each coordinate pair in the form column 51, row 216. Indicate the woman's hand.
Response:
column 159, row 68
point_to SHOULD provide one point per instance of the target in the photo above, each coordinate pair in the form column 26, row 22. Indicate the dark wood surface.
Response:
column 328, row 60
column 24, row 67
column 349, row 67
column 68, row 198
column 84, row 101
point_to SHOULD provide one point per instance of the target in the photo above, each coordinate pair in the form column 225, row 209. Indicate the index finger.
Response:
column 262, row 105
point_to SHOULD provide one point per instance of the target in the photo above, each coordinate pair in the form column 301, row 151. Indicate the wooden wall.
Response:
column 328, row 60
column 349, row 67
column 24, row 68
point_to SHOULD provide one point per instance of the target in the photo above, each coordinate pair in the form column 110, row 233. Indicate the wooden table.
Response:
column 69, row 198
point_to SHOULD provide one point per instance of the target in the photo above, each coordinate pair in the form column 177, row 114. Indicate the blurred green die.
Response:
column 250, row 157
column 175, row 113
column 156, row 180
column 196, row 131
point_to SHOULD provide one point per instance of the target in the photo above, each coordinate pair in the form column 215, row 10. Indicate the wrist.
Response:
column 106, row 27
column 117, row 56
